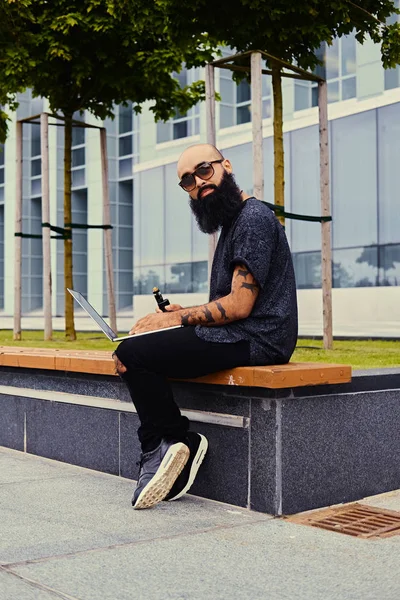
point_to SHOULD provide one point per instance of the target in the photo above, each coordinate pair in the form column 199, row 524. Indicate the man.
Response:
column 251, row 319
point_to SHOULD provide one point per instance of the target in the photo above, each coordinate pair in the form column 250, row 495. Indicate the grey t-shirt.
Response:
column 255, row 238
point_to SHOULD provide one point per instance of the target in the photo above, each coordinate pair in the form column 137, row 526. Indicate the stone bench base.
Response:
column 279, row 451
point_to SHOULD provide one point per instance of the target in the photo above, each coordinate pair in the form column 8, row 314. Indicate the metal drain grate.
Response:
column 356, row 519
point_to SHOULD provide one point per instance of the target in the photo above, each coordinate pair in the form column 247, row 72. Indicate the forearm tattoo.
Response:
column 222, row 311
column 185, row 319
column 250, row 286
column 208, row 315
column 205, row 315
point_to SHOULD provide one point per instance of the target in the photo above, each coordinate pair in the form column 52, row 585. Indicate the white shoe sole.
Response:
column 198, row 459
column 160, row 485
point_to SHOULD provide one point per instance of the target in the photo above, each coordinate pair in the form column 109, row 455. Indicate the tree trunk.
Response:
column 211, row 139
column 112, row 312
column 326, row 233
column 279, row 165
column 46, row 233
column 70, row 333
column 18, row 238
column 256, row 123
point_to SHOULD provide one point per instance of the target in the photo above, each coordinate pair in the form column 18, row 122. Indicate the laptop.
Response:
column 106, row 329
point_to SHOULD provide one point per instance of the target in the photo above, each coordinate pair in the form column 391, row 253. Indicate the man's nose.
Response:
column 199, row 181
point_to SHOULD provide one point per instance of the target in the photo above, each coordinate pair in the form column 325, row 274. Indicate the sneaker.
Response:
column 158, row 472
column 198, row 445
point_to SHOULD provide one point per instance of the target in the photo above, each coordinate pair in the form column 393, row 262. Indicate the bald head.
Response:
column 194, row 155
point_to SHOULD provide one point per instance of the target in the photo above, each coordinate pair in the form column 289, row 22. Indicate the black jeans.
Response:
column 178, row 353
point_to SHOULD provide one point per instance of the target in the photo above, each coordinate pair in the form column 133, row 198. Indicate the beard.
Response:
column 218, row 208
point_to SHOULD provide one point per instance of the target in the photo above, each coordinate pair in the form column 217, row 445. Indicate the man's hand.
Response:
column 170, row 308
column 156, row 321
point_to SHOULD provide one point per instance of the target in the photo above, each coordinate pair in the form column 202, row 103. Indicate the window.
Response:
column 36, row 161
column 2, row 178
column 79, row 205
column 35, row 139
column 388, row 156
column 235, row 105
column 125, row 118
column 78, row 156
column 78, row 152
column 186, row 278
column 354, row 180
column 389, row 265
column 339, row 70
column 355, row 267
column 181, row 125
column 169, row 250
column 35, row 108
column 306, row 92
column 177, row 278
column 307, row 268
column 127, row 140
column 305, row 191
column 1, row 256
column 32, row 257
column 123, row 243
column 392, row 76
column 178, row 244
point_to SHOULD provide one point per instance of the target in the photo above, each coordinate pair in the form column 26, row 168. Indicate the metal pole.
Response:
column 46, row 232
column 325, row 211
column 107, row 232
column 18, row 238
column 211, row 139
column 256, row 119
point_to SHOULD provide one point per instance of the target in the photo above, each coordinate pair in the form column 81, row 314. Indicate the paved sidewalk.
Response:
column 70, row 533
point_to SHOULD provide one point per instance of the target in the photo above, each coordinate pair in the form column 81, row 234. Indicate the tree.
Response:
column 291, row 31
column 91, row 55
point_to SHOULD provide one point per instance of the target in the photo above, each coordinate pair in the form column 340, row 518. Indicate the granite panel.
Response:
column 212, row 398
column 103, row 386
column 129, row 445
column 75, row 434
column 263, row 456
column 339, row 448
column 12, row 411
column 224, row 473
column 374, row 380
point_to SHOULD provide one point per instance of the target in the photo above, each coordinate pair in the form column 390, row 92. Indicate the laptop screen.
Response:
column 95, row 315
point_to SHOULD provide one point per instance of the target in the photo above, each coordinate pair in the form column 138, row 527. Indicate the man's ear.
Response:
column 227, row 165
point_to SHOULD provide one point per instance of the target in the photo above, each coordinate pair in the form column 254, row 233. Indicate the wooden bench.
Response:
column 283, row 438
column 101, row 363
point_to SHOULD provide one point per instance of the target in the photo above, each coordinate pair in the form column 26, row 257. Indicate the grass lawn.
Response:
column 359, row 354
column 365, row 354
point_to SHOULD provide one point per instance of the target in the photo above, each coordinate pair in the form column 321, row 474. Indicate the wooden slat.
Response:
column 301, row 374
column 101, row 362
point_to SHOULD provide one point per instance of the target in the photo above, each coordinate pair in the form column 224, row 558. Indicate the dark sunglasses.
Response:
column 205, row 171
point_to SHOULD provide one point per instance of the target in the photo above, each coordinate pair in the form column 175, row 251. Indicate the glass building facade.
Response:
column 2, row 176
column 155, row 238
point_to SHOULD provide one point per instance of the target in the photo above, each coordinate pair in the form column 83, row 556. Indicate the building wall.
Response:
column 155, row 239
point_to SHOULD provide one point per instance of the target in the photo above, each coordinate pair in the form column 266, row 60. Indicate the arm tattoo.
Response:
column 250, row 286
column 185, row 320
column 209, row 317
column 222, row 311
column 243, row 273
